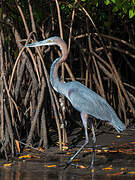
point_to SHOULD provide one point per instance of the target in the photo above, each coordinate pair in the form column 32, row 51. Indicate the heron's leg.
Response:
column 92, row 158
column 93, row 144
column 93, row 133
column 84, row 117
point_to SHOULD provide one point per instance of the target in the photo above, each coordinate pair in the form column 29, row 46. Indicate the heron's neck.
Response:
column 55, row 81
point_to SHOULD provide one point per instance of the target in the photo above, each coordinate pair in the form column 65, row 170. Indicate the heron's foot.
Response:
column 91, row 165
column 63, row 165
column 92, row 160
column 92, row 169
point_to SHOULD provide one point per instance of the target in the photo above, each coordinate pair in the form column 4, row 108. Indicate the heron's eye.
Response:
column 49, row 41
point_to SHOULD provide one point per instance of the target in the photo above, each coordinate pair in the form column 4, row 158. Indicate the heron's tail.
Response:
column 117, row 124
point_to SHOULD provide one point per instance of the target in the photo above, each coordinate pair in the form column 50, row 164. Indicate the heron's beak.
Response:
column 40, row 43
column 46, row 42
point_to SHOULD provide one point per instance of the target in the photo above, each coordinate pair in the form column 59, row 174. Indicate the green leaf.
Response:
column 133, row 1
column 131, row 13
column 96, row 4
column 114, row 1
column 125, row 8
column 63, row 6
column 107, row 2
column 115, row 9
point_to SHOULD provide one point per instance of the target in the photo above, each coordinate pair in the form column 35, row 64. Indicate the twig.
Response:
column 23, row 18
column 117, row 39
column 32, row 18
column 1, row 88
column 38, row 109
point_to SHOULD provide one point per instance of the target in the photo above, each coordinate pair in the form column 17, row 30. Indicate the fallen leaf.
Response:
column 28, row 149
column 99, row 150
column 120, row 150
column 82, row 167
column 132, row 142
column 123, row 169
column 49, row 166
column 86, row 150
column 25, row 156
column 106, row 150
column 90, row 150
column 113, row 151
column 68, row 153
column 76, row 160
column 107, row 168
column 131, row 172
column 118, row 136
column 7, row 165
column 41, row 149
column 115, row 174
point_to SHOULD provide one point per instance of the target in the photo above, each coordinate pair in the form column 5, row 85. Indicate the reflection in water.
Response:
column 29, row 170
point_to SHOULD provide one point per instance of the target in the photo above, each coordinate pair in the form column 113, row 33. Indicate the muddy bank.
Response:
column 114, row 159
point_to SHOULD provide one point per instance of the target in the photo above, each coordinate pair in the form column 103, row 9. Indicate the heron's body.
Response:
column 83, row 99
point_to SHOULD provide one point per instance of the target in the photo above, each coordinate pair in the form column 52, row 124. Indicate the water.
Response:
column 115, row 162
column 36, row 171
column 40, row 169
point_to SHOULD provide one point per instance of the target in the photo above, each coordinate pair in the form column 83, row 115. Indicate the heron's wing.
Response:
column 86, row 100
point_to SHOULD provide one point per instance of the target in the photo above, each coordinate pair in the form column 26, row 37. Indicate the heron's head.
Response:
column 47, row 42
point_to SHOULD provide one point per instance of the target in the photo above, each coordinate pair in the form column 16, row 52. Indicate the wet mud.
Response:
column 114, row 159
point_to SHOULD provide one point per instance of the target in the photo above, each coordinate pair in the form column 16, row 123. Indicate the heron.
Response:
column 83, row 99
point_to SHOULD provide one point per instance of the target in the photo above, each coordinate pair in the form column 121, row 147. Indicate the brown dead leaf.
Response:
column 41, row 149
column 7, row 165
column 131, row 172
column 123, row 169
column 50, row 166
column 25, row 156
column 82, row 167
column 113, row 151
column 76, row 160
column 99, row 150
column 115, row 174
column 107, row 168
column 68, row 153
column 106, row 150
column 28, row 149
column 132, row 142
